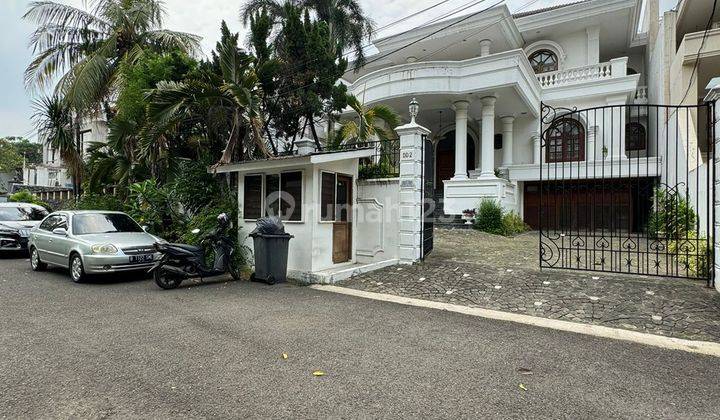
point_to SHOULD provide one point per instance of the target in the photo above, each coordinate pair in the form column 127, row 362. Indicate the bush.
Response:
column 489, row 217
column 513, row 224
column 25, row 196
column 91, row 201
column 376, row 170
column 672, row 216
column 693, row 252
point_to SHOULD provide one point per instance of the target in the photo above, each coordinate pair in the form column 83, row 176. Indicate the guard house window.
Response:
column 635, row 136
column 335, row 193
column 566, row 141
column 543, row 61
column 291, row 196
column 252, row 196
column 327, row 197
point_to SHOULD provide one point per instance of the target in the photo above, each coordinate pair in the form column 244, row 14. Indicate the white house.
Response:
column 52, row 172
column 488, row 85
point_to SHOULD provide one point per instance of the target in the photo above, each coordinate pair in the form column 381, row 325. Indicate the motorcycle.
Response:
column 180, row 261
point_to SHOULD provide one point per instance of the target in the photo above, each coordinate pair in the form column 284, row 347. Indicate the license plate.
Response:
column 136, row 259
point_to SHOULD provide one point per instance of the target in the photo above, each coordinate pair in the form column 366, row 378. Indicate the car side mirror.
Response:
column 60, row 231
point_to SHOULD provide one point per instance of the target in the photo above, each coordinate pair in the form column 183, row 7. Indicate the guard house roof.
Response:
column 293, row 161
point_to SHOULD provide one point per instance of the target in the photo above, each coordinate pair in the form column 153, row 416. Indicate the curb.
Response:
column 671, row 343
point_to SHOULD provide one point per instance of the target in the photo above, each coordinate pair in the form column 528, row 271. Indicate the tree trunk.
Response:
column 79, row 150
column 314, row 133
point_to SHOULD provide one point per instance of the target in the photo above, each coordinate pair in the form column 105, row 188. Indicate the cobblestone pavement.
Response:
column 479, row 270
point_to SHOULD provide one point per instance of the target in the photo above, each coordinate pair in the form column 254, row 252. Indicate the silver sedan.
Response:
column 91, row 242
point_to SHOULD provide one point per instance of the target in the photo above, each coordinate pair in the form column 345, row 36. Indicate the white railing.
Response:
column 613, row 68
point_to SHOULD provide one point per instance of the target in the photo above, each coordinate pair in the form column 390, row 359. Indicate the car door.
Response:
column 58, row 244
column 41, row 236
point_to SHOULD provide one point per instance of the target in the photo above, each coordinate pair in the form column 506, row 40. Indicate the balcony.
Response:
column 613, row 68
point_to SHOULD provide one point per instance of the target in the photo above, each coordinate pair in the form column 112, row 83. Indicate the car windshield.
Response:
column 86, row 224
column 22, row 214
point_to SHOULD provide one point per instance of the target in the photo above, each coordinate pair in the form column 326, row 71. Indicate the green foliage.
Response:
column 25, row 196
column 673, row 216
column 150, row 205
column 10, row 159
column 193, row 186
column 91, row 201
column 489, row 217
column 692, row 252
column 376, row 170
column 513, row 224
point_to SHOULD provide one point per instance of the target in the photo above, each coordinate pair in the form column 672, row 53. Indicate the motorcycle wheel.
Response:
column 165, row 281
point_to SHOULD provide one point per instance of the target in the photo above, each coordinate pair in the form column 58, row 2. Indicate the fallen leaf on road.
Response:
column 284, row 356
column 522, row 387
column 525, row 371
column 318, row 373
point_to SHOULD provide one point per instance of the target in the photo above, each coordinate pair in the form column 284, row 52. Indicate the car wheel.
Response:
column 77, row 272
column 35, row 262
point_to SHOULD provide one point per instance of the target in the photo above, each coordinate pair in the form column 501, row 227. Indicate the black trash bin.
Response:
column 271, row 251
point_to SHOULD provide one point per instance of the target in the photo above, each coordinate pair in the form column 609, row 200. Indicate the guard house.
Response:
column 341, row 225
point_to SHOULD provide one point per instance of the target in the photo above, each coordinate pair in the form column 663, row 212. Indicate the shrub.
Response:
column 489, row 217
column 25, row 196
column 92, row 201
column 693, row 252
column 513, row 224
column 673, row 217
column 376, row 170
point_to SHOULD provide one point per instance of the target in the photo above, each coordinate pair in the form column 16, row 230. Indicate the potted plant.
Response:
column 468, row 216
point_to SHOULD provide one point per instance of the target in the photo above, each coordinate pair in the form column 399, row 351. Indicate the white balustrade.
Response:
column 641, row 94
column 577, row 75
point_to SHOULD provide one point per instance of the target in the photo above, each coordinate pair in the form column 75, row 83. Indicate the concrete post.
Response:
column 535, row 139
column 461, row 120
column 590, row 149
column 411, row 193
column 507, row 147
column 488, row 137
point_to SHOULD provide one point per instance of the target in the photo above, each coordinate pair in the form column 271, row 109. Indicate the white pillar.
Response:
column 507, row 132
column 535, row 140
column 461, row 119
column 593, row 44
column 488, row 137
column 615, row 127
column 485, row 45
column 411, row 191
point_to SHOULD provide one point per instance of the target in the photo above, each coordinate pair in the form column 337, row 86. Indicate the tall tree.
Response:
column 228, row 103
column 348, row 26
column 86, row 49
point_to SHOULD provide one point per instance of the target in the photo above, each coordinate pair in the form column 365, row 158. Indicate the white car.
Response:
column 16, row 221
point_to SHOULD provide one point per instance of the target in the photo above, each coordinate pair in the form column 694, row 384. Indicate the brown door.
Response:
column 342, row 228
column 445, row 167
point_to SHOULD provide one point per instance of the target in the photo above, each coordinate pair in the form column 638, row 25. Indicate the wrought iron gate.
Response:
column 627, row 189
column 428, row 208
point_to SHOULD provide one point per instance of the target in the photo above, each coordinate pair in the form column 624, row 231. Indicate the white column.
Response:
column 485, row 45
column 461, row 119
column 488, row 137
column 507, row 132
column 411, row 193
column 593, row 45
column 615, row 127
column 535, row 140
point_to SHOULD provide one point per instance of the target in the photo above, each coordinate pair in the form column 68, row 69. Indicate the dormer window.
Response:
column 543, row 61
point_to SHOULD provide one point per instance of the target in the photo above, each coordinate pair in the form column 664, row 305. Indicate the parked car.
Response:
column 91, row 242
column 16, row 221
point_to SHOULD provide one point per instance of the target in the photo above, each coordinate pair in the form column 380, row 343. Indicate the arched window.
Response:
column 635, row 136
column 543, row 61
column 565, row 141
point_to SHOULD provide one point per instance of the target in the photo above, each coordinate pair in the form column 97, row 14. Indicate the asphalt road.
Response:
column 124, row 348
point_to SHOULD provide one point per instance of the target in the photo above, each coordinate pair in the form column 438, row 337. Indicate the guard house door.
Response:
column 342, row 228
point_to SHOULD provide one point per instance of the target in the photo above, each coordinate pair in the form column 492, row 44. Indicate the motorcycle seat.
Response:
column 189, row 248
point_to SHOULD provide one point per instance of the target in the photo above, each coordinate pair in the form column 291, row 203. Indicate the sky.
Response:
column 201, row 17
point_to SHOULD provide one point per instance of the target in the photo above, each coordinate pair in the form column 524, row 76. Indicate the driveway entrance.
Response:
column 480, row 270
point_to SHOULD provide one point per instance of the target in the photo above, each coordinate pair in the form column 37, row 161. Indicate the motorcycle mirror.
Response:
column 196, row 231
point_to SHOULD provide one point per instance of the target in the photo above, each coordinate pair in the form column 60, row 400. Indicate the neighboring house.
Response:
column 52, row 172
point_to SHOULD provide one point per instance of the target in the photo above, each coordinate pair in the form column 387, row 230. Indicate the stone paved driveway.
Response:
column 479, row 270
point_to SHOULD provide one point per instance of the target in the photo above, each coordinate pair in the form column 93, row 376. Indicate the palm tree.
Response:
column 231, row 102
column 56, row 124
column 378, row 122
column 348, row 26
column 87, row 48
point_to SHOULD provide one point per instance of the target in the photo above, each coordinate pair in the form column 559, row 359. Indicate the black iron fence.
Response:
column 384, row 162
column 627, row 189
